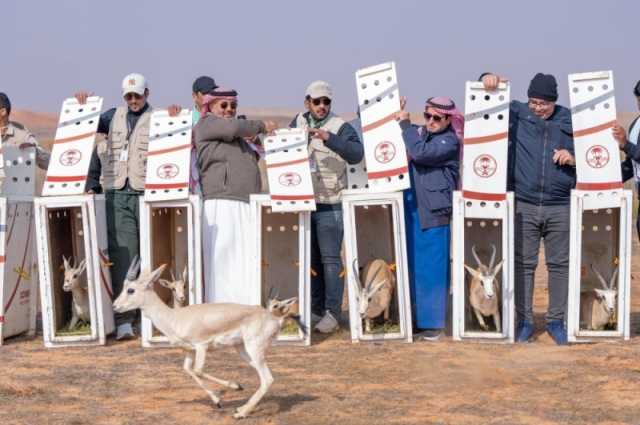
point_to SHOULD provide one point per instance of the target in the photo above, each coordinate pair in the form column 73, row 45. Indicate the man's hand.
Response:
column 26, row 145
column 174, row 110
column 90, row 192
column 402, row 115
column 619, row 134
column 270, row 126
column 82, row 96
column 491, row 81
column 403, row 102
column 318, row 133
column 563, row 157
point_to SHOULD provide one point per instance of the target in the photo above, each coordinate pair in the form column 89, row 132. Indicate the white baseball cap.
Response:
column 134, row 83
column 319, row 89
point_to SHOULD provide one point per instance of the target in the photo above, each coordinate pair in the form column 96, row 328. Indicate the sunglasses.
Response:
column 130, row 96
column 228, row 105
column 324, row 100
column 436, row 118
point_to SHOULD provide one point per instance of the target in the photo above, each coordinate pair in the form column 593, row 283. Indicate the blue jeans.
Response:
column 326, row 240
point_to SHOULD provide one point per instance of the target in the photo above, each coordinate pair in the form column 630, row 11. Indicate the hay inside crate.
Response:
column 483, row 233
column 66, row 237
column 600, row 247
column 375, row 239
column 280, row 249
column 169, row 245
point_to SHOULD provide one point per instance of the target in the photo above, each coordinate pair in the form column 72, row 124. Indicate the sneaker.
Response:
column 315, row 318
column 328, row 324
column 430, row 334
column 556, row 329
column 524, row 331
column 125, row 331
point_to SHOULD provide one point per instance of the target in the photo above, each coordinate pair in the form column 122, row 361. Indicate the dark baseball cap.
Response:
column 204, row 85
column 5, row 102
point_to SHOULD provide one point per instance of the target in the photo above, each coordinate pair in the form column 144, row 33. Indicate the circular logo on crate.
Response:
column 167, row 171
column 290, row 179
column 70, row 157
column 597, row 156
column 485, row 166
column 385, row 152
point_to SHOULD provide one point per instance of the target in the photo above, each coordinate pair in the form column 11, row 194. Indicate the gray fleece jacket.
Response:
column 228, row 166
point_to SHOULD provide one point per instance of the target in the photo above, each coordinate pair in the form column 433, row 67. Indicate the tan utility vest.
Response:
column 123, row 158
column 328, row 169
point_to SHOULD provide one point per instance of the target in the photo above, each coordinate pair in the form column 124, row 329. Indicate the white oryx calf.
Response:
column 250, row 329
column 598, row 306
column 484, row 292
column 177, row 287
column 76, row 283
column 375, row 292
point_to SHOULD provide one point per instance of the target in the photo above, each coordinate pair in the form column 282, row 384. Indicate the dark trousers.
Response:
column 123, row 230
column 533, row 223
column 327, row 286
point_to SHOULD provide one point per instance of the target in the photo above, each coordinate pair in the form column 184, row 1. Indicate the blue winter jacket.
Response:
column 434, row 169
column 533, row 176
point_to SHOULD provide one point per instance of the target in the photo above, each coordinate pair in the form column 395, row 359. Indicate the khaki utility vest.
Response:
column 330, row 175
column 118, row 166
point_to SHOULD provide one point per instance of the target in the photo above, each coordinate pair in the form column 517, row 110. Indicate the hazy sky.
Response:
column 270, row 50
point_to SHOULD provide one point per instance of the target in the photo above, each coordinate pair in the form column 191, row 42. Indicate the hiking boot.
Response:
column 328, row 324
column 125, row 331
column 524, row 331
column 556, row 329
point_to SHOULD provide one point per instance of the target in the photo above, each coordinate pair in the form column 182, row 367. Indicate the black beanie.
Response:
column 543, row 86
column 636, row 90
column 5, row 102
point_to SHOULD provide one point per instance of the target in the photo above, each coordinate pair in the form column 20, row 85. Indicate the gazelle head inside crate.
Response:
column 75, row 282
column 598, row 305
column 484, row 290
column 178, row 288
column 375, row 293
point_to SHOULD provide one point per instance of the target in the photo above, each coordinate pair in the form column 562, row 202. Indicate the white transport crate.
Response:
column 357, row 180
column 19, row 166
column 601, row 224
column 288, row 171
column 18, row 277
column 374, row 229
column 171, row 233
column 483, row 215
column 18, row 267
column 283, row 263
column 169, row 156
column 379, row 100
column 72, row 147
column 482, row 224
column 73, row 226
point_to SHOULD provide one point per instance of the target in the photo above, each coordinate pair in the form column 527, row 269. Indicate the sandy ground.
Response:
column 333, row 382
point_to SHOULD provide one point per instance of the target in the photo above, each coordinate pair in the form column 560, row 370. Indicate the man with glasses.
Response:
column 229, row 174
column 333, row 144
column 433, row 151
column 119, row 166
column 541, row 175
